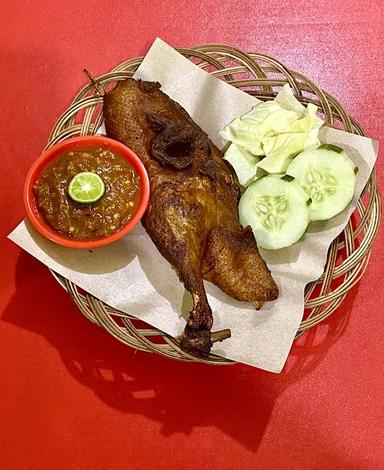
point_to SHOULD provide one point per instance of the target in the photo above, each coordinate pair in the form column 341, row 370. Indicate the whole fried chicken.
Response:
column 192, row 213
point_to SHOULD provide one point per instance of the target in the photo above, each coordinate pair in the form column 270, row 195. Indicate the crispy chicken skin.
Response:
column 192, row 213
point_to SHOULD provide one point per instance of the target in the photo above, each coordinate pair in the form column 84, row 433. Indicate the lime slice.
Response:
column 86, row 188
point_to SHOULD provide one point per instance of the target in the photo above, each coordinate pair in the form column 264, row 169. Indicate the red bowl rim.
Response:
column 53, row 152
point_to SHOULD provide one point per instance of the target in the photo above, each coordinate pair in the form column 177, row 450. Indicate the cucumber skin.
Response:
column 331, row 147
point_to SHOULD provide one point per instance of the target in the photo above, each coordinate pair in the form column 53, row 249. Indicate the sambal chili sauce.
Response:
column 88, row 221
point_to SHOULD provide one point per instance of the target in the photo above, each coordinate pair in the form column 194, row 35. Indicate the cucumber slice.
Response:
column 276, row 209
column 327, row 175
column 243, row 162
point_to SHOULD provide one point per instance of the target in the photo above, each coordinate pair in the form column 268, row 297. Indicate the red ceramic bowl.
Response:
column 75, row 143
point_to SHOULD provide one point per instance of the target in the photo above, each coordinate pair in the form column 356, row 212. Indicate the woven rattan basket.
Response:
column 262, row 77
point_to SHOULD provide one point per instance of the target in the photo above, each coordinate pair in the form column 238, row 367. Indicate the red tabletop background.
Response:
column 71, row 397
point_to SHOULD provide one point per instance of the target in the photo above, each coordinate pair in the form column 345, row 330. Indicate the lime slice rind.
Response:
column 86, row 188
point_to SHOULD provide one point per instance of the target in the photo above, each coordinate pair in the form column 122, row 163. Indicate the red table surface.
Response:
column 72, row 397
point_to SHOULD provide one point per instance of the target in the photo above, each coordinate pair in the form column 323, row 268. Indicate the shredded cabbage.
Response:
column 243, row 162
column 278, row 129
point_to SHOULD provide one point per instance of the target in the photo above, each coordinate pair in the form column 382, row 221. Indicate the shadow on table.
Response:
column 236, row 399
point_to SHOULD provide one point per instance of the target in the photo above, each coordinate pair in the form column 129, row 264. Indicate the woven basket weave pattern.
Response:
column 262, row 77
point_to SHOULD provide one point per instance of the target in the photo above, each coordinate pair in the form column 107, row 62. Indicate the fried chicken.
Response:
column 192, row 213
